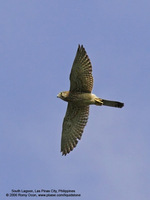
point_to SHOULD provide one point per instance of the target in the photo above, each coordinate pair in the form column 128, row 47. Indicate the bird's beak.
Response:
column 58, row 95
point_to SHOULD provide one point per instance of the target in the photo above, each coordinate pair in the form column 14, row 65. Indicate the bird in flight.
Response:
column 79, row 97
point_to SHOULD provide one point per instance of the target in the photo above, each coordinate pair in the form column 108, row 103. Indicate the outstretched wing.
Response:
column 73, row 126
column 81, row 79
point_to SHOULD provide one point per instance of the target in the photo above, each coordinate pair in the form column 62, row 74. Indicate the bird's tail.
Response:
column 105, row 102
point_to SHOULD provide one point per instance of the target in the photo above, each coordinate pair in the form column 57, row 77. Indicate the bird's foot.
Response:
column 98, row 102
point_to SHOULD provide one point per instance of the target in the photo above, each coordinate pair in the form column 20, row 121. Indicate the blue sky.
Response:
column 38, row 43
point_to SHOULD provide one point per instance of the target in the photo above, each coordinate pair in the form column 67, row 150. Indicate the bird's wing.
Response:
column 73, row 125
column 81, row 79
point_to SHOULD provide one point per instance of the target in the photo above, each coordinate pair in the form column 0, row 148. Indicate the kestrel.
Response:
column 79, row 97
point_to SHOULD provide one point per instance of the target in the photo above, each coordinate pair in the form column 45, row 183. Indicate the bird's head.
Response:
column 63, row 95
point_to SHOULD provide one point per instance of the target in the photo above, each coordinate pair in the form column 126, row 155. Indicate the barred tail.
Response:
column 112, row 103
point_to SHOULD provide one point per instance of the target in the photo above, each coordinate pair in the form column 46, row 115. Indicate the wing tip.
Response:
column 66, row 150
column 80, row 47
